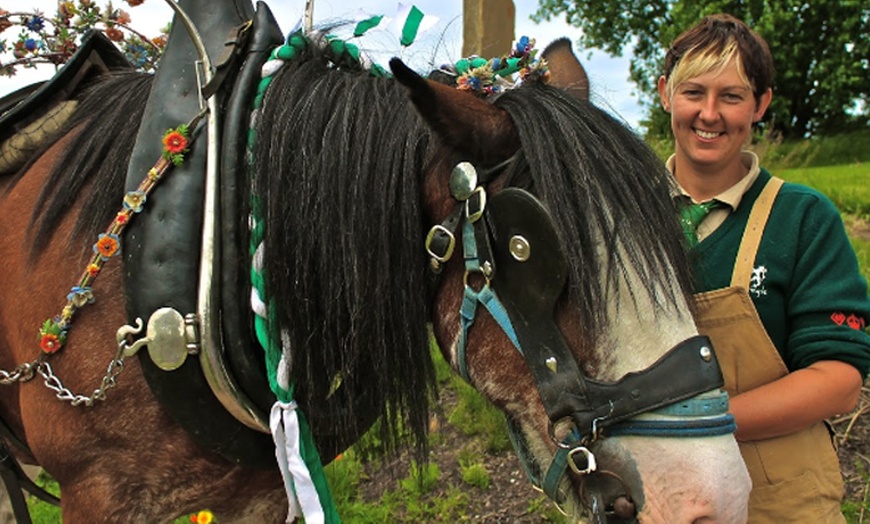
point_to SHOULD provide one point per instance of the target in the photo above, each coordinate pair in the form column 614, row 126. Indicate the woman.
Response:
column 780, row 292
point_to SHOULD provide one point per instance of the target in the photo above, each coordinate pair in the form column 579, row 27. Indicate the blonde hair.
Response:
column 711, row 46
column 697, row 62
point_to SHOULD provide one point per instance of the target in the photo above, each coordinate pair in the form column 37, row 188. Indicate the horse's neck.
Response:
column 642, row 327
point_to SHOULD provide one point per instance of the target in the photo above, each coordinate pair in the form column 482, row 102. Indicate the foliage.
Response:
column 820, row 49
column 832, row 150
column 475, row 474
column 54, row 39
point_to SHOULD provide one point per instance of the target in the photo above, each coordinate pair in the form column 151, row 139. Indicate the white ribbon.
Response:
column 301, row 492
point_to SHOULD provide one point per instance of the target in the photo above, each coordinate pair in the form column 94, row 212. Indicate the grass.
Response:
column 847, row 185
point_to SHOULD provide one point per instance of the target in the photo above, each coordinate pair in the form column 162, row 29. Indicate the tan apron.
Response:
column 796, row 477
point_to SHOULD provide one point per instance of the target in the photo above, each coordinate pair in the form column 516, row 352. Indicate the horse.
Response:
column 573, row 221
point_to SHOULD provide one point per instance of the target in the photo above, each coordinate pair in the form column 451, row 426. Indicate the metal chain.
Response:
column 22, row 373
column 25, row 372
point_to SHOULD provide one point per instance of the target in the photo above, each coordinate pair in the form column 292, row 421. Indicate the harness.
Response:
column 511, row 250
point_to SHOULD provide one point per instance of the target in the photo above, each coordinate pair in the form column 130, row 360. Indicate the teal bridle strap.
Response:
column 470, row 298
column 705, row 415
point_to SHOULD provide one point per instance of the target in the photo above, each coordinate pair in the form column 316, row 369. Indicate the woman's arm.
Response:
column 797, row 400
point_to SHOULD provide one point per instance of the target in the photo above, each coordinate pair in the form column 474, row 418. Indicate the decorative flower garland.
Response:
column 54, row 39
column 486, row 77
column 54, row 331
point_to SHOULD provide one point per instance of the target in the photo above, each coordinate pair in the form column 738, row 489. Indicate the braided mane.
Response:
column 338, row 162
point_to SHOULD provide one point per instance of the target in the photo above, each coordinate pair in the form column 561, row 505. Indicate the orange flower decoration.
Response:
column 175, row 144
column 115, row 35
column 49, row 343
column 93, row 270
column 107, row 246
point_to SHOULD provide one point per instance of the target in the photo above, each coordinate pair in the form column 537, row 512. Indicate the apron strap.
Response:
column 753, row 232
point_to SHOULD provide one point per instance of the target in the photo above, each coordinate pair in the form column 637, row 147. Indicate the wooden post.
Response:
column 487, row 27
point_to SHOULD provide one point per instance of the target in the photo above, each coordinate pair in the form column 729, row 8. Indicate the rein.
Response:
column 515, row 268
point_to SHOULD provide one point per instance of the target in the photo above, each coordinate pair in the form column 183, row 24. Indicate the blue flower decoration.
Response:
column 135, row 200
column 522, row 44
column 35, row 24
column 80, row 296
column 30, row 44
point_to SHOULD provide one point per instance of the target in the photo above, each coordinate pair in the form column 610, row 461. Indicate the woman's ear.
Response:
column 762, row 105
column 663, row 94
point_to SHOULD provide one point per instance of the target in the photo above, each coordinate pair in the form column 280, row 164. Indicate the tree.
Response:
column 821, row 50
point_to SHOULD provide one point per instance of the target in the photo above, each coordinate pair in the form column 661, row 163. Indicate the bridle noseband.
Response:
column 510, row 240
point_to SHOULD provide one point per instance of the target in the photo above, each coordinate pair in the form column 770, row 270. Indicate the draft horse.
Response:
column 564, row 216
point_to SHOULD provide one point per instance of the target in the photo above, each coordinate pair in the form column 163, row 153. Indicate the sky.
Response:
column 611, row 88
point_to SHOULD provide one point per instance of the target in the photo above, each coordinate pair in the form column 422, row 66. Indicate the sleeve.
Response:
column 828, row 305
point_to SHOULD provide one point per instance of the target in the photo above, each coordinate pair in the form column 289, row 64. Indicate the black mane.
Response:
column 107, row 118
column 601, row 183
column 338, row 163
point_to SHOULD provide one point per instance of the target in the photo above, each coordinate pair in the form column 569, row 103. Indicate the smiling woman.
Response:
column 780, row 292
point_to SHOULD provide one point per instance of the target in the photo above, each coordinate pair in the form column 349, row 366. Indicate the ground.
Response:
column 852, row 434
column 509, row 498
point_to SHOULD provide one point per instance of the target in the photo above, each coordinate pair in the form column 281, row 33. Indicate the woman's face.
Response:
column 711, row 118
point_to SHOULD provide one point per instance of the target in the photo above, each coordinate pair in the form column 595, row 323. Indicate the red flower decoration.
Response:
column 93, row 270
column 123, row 217
column 115, row 35
column 49, row 343
column 174, row 142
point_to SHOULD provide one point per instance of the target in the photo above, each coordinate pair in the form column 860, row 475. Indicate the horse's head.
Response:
column 567, row 288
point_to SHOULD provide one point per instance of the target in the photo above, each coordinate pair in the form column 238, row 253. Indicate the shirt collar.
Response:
column 733, row 195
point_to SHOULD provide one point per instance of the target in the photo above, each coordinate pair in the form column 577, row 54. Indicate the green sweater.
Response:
column 806, row 285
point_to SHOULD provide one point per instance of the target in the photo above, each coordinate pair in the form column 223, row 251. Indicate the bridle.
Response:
column 510, row 244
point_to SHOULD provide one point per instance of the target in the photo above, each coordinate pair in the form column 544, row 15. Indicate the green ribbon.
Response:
column 367, row 24
column 412, row 26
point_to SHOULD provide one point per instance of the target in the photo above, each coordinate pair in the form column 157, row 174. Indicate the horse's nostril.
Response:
column 623, row 507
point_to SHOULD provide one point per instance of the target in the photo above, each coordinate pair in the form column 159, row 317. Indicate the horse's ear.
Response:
column 471, row 126
column 566, row 72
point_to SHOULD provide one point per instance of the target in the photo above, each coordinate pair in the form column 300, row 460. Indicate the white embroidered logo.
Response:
column 756, row 283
